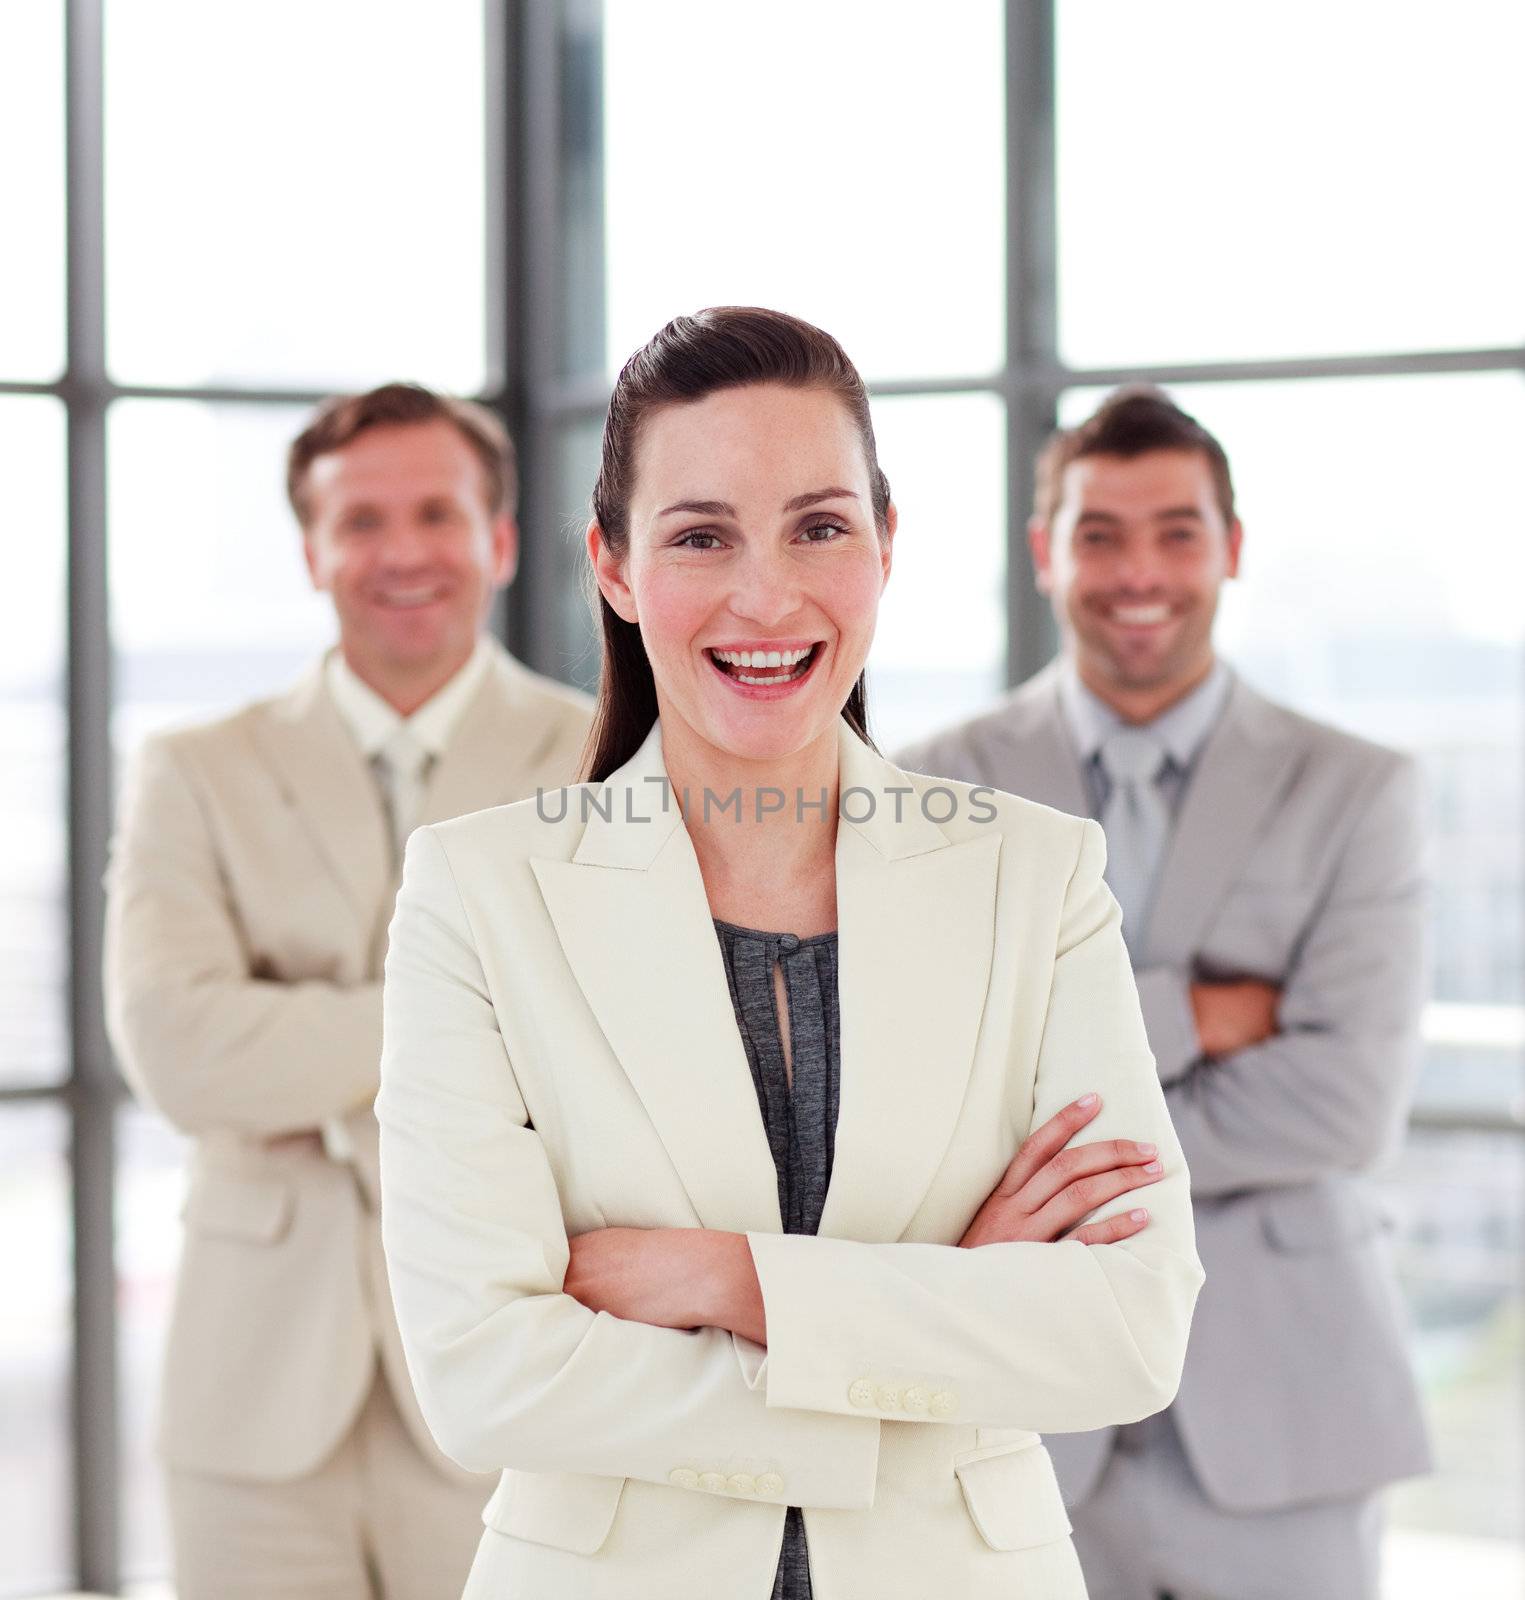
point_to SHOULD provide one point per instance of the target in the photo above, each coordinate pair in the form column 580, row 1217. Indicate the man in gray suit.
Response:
column 1269, row 869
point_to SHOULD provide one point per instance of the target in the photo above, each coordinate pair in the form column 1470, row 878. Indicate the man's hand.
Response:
column 1233, row 1016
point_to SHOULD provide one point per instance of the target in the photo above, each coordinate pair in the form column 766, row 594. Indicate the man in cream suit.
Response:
column 249, row 893
column 1269, row 870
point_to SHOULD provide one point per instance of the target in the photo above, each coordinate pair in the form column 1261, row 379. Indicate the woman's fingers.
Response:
column 1083, row 1196
column 1081, row 1161
column 1123, row 1226
column 1045, row 1142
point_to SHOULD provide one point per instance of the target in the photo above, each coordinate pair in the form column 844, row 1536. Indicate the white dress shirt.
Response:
column 373, row 722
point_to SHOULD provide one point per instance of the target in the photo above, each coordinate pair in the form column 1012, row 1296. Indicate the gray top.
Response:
column 801, row 1121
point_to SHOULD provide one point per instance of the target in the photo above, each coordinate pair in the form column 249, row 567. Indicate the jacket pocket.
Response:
column 1013, row 1497
column 570, row 1510
column 1316, row 1218
column 232, row 1207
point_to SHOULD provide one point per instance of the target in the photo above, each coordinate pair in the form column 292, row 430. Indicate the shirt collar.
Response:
column 372, row 720
column 1181, row 728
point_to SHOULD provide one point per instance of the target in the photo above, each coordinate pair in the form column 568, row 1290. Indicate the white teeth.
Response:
column 762, row 658
column 1140, row 616
column 409, row 597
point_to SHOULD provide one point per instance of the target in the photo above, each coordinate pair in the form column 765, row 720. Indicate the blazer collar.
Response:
column 1238, row 778
column 501, row 736
column 1237, row 783
column 1042, row 763
column 636, row 810
column 916, row 928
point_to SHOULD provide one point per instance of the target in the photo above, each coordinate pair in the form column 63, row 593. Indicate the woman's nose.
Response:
column 766, row 590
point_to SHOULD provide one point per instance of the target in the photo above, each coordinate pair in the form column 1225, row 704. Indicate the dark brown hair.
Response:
column 1132, row 421
column 725, row 347
column 339, row 421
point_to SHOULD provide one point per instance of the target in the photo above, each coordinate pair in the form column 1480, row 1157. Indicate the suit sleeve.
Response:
column 511, row 1371
column 197, row 1036
column 1330, row 1092
column 1164, row 995
column 1055, row 1337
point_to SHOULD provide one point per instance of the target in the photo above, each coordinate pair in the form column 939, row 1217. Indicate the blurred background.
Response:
column 1299, row 218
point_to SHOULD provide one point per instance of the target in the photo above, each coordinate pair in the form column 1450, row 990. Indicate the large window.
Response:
column 213, row 220
column 1301, row 220
column 1260, row 209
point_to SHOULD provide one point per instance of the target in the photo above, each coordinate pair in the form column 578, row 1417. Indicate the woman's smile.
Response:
column 781, row 672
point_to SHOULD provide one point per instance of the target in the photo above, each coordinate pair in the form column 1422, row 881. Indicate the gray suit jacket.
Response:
column 1296, row 859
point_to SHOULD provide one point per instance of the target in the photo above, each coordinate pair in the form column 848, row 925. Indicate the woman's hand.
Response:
column 669, row 1277
column 1047, row 1189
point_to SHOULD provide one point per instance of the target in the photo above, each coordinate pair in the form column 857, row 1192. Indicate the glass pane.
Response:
column 1299, row 179
column 940, row 649
column 33, row 939
column 36, row 1337
column 32, row 190
column 302, row 201
column 150, row 1189
column 1383, row 563
column 211, row 604
column 844, row 162
column 1461, row 1200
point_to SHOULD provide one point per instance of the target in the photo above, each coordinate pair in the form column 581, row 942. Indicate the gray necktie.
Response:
column 402, row 763
column 1136, row 821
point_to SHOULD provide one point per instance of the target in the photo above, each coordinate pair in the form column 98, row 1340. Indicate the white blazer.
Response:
column 560, row 1054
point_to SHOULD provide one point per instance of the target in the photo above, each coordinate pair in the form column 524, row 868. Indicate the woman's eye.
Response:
column 826, row 530
column 689, row 540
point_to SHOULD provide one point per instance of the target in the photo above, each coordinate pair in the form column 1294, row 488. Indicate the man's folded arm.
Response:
column 199, row 1037
column 1330, row 1092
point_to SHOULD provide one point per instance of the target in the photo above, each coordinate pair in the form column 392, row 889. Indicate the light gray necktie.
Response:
column 1136, row 821
column 403, row 764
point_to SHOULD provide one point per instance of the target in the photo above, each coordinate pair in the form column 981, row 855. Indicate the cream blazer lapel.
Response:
column 497, row 748
column 331, row 791
column 492, row 758
column 631, row 914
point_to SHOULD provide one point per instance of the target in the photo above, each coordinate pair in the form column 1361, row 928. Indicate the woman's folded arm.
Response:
column 510, row 1371
column 1058, row 1337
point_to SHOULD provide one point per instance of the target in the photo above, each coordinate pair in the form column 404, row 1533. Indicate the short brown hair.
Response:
column 345, row 417
column 1132, row 421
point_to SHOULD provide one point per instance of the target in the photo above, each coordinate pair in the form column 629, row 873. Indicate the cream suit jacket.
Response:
column 248, row 896
column 561, row 1054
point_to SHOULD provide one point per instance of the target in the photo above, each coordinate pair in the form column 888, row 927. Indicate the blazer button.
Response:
column 741, row 1483
column 916, row 1398
column 861, row 1393
column 712, row 1482
column 943, row 1403
column 770, row 1483
column 683, row 1478
column 887, row 1397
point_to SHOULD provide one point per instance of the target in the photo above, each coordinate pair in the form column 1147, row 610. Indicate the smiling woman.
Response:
column 731, row 1198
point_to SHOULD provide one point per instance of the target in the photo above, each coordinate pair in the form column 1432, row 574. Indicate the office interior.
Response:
column 1303, row 221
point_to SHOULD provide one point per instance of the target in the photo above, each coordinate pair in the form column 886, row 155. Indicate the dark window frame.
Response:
column 543, row 138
